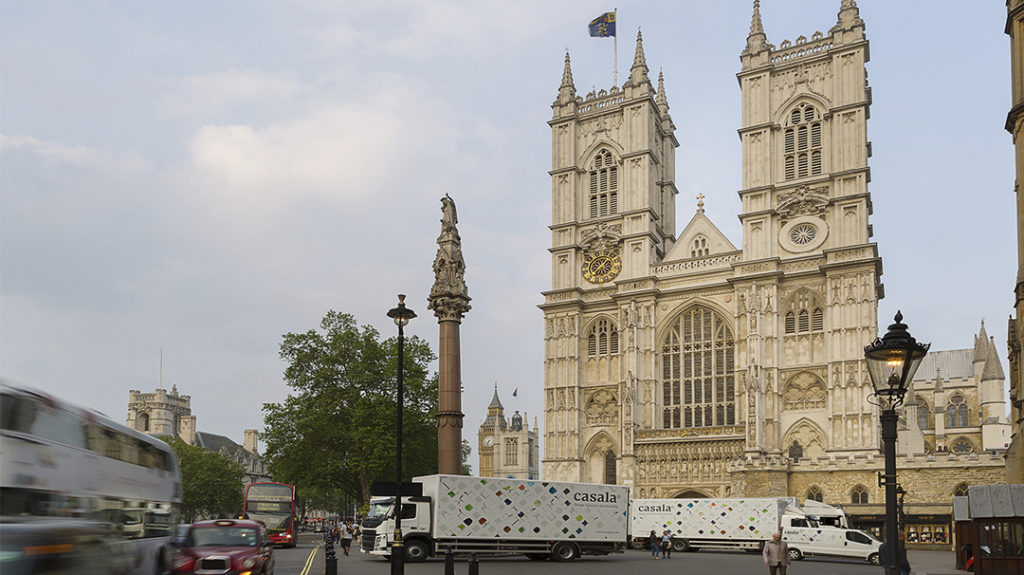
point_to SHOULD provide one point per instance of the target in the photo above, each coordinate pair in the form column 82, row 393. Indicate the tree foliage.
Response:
column 211, row 484
column 334, row 435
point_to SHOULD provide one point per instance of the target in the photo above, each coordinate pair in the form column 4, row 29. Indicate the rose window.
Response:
column 803, row 234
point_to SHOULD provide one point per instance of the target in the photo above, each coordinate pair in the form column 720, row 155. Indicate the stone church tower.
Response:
column 162, row 413
column 507, row 448
column 684, row 365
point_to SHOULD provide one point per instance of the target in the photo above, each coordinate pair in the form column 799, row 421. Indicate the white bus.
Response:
column 62, row 461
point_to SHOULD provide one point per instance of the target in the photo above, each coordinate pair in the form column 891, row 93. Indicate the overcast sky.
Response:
column 204, row 177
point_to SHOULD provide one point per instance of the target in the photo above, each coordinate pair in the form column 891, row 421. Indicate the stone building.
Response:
column 507, row 448
column 1015, row 334
column 685, row 365
column 168, row 413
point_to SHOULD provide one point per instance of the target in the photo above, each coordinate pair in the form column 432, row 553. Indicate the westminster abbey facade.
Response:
column 683, row 365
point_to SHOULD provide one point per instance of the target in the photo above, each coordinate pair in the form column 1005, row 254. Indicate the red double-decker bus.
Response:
column 274, row 505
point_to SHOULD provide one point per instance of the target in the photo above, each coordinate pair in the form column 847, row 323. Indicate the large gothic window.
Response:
column 956, row 412
column 802, row 143
column 603, row 339
column 511, row 451
column 604, row 185
column 697, row 378
column 609, row 468
column 143, row 422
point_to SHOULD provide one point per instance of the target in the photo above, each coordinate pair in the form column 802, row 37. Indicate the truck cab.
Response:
column 379, row 527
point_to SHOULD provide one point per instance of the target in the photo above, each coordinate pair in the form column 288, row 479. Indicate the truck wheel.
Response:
column 563, row 551
column 874, row 560
column 416, row 551
column 680, row 545
column 795, row 554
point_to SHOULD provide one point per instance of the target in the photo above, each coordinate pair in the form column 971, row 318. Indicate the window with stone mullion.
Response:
column 702, row 393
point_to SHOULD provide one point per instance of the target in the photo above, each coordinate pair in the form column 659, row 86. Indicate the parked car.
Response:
column 226, row 546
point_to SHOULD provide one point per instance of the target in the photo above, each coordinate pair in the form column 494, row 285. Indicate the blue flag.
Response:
column 516, row 392
column 603, row 26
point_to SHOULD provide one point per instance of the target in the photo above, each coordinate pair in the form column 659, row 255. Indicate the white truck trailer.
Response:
column 492, row 516
column 740, row 523
column 747, row 523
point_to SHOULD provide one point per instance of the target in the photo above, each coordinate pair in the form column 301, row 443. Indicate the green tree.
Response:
column 467, row 450
column 334, row 436
column 211, row 484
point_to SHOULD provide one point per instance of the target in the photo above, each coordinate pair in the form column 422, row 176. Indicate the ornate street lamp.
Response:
column 401, row 315
column 892, row 362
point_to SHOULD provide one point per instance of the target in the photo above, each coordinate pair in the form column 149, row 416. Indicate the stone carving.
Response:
column 602, row 408
column 601, row 237
column 804, row 391
column 449, row 297
column 803, row 201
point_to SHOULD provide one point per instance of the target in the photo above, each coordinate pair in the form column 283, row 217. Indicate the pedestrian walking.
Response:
column 655, row 543
column 776, row 555
column 346, row 535
column 666, row 544
column 901, row 561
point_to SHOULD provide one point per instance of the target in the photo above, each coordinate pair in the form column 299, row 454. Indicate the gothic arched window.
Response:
column 143, row 422
column 805, row 315
column 604, row 185
column 603, row 339
column 960, row 490
column 802, row 143
column 796, row 451
column 609, row 468
column 699, row 247
column 697, row 358
column 956, row 412
column 511, row 451
column 815, row 493
column 859, row 495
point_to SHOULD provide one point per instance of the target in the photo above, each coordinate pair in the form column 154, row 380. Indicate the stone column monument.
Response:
column 449, row 299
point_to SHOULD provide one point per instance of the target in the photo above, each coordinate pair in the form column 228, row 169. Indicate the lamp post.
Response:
column 892, row 361
column 401, row 315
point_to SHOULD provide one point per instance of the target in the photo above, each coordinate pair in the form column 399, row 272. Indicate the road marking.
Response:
column 309, row 561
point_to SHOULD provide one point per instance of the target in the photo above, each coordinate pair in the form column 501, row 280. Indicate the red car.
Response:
column 226, row 547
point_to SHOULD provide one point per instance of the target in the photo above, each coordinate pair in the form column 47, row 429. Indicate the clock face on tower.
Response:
column 489, row 441
column 601, row 266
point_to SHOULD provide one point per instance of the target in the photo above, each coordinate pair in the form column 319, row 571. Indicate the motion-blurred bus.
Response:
column 76, row 486
column 273, row 504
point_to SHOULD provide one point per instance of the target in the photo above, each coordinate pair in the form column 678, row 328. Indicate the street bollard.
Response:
column 330, row 559
column 449, row 562
column 474, row 565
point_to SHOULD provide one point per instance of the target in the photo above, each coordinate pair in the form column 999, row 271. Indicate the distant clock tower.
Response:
column 507, row 448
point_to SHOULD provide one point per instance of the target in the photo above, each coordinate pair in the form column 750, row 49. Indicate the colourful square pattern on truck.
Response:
column 520, row 509
column 731, row 519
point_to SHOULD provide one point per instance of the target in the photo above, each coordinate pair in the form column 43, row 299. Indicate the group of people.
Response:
column 661, row 545
column 344, row 533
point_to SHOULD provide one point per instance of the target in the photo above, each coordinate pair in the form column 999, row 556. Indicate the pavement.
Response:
column 933, row 562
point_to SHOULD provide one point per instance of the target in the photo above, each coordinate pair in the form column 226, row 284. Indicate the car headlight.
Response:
column 250, row 562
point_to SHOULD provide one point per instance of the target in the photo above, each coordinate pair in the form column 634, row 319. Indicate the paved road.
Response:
column 308, row 559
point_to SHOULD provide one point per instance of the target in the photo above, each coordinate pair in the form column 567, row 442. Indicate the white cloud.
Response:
column 219, row 92
column 75, row 155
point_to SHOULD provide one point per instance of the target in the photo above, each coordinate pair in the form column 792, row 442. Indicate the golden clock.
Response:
column 601, row 266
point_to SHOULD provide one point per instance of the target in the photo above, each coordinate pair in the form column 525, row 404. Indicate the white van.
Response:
column 830, row 542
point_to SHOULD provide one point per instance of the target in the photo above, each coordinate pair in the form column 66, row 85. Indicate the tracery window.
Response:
column 511, row 451
column 962, row 446
column 698, row 384
column 956, row 412
column 923, row 413
column 603, row 339
column 699, row 247
column 960, row 490
column 802, row 143
column 815, row 493
column 604, row 185
column 805, row 315
column 609, row 468
column 859, row 495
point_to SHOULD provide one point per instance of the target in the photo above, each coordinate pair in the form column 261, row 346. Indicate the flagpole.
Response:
column 615, row 57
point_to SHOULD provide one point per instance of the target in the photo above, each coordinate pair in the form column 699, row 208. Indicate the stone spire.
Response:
column 638, row 73
column 495, row 402
column 567, row 91
column 449, row 296
column 849, row 16
column 661, row 99
column 756, row 40
column 981, row 344
column 993, row 367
